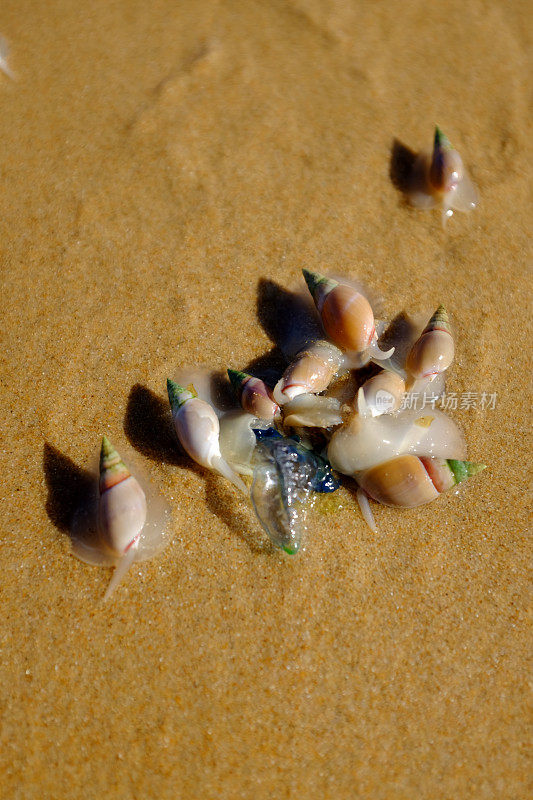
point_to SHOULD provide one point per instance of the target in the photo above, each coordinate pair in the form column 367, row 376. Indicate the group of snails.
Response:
column 323, row 416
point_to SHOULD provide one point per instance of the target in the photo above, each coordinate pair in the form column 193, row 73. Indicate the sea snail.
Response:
column 346, row 316
column 440, row 178
column 197, row 428
column 365, row 440
column 408, row 481
column 122, row 504
column 434, row 350
column 384, row 393
column 310, row 372
column 123, row 527
column 254, row 395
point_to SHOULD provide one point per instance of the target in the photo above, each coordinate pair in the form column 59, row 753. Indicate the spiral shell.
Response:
column 446, row 168
column 346, row 315
column 440, row 178
column 122, row 521
column 122, row 504
column 408, row 481
column 384, row 393
column 197, row 428
column 311, row 371
column 254, row 395
column 434, row 350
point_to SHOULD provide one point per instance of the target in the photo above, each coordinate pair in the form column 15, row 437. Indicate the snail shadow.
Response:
column 402, row 167
column 288, row 318
column 148, row 427
column 72, row 493
column 269, row 367
column 221, row 391
column 227, row 505
column 400, row 334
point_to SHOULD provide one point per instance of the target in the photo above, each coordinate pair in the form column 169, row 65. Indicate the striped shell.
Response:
column 434, row 350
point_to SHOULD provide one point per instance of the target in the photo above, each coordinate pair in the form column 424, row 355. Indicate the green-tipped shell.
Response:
column 462, row 470
column 439, row 321
column 316, row 281
column 440, row 140
column 408, row 481
column 112, row 469
column 292, row 548
column 446, row 170
column 238, row 379
column 434, row 350
column 177, row 395
column 254, row 395
column 446, row 473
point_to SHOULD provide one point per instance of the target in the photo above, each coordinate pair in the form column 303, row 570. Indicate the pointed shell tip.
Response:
column 313, row 279
column 237, row 379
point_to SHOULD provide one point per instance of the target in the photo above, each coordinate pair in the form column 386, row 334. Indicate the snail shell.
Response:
column 440, row 178
column 121, row 523
column 384, row 393
column 197, row 428
column 122, row 505
column 346, row 315
column 408, row 481
column 446, row 169
column 433, row 351
column 254, row 395
column 311, row 371
column 4, row 54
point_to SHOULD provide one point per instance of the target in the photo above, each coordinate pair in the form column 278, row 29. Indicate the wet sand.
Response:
column 167, row 170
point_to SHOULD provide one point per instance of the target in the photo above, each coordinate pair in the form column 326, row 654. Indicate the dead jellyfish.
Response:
column 123, row 522
column 285, row 477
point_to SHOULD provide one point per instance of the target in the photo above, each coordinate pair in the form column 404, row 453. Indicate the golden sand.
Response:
column 166, row 169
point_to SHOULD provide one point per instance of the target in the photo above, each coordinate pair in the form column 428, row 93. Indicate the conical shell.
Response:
column 177, row 395
column 446, row 473
column 198, row 429
column 348, row 319
column 401, row 482
column 311, row 371
column 440, row 140
column 409, row 481
column 112, row 469
column 345, row 313
column 122, row 504
column 446, row 168
column 439, row 321
column 237, row 380
column 319, row 285
column 254, row 395
column 434, row 350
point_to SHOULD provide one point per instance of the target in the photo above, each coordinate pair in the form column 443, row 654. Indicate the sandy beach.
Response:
column 167, row 170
